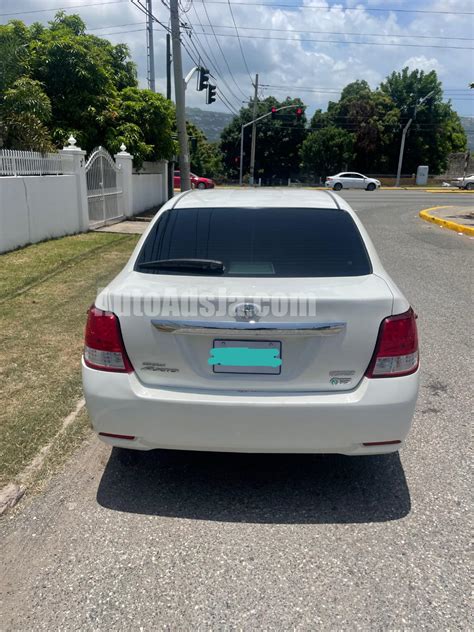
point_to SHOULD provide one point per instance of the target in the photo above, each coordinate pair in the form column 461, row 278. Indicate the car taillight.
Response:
column 103, row 347
column 329, row 178
column 396, row 351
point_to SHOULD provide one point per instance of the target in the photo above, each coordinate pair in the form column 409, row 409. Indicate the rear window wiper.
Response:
column 204, row 265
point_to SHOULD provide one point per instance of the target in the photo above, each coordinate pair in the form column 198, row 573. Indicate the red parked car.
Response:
column 196, row 181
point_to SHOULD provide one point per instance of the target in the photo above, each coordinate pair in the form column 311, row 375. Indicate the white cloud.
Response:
column 297, row 63
column 423, row 63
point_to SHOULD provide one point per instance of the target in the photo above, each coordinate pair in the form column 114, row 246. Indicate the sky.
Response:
column 308, row 48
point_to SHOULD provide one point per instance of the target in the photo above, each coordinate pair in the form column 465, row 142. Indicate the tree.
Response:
column 14, row 57
column 25, row 111
column 327, row 151
column 143, row 120
column 278, row 142
column 80, row 74
column 206, row 158
column 372, row 117
column 435, row 133
column 89, row 86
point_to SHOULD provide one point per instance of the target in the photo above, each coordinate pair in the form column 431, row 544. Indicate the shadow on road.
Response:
column 260, row 488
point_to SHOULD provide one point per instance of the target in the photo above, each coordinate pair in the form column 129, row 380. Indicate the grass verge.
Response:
column 45, row 290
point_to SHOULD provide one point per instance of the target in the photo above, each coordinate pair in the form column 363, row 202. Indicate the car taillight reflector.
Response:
column 104, row 349
column 396, row 351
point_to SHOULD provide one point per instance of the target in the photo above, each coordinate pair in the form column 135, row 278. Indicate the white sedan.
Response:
column 351, row 180
column 464, row 183
column 253, row 321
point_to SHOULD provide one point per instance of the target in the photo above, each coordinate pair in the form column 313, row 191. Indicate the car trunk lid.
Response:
column 323, row 331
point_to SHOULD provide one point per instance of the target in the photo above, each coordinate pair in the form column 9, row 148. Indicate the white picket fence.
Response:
column 34, row 163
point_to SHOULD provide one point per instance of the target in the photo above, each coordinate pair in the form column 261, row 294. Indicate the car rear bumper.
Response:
column 228, row 421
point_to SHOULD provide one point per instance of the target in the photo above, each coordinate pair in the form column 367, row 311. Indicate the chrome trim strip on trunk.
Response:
column 197, row 327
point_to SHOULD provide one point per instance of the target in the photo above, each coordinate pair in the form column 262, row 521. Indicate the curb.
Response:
column 13, row 492
column 443, row 191
column 445, row 223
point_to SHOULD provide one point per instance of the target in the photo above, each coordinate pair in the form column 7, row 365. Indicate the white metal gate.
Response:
column 103, row 190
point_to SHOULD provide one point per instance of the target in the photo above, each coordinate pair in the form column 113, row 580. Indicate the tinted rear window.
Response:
column 258, row 242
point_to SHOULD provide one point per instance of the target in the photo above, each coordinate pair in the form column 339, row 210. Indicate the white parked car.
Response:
column 253, row 321
column 351, row 180
column 464, row 183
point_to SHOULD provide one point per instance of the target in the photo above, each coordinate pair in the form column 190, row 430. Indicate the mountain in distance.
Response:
column 211, row 123
column 468, row 123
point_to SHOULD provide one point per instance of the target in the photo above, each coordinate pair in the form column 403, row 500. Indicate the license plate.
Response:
column 261, row 357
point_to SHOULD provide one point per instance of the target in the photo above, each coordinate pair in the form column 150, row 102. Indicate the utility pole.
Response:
column 150, row 49
column 179, row 87
column 254, row 131
column 168, row 96
column 168, row 66
column 404, row 133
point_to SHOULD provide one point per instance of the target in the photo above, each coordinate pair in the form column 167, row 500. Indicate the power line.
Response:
column 213, row 62
column 346, row 42
column 256, row 28
column 138, row 4
column 311, row 89
column 114, row 26
column 344, row 8
column 72, row 6
column 222, row 96
column 301, row 88
column 122, row 32
column 291, row 30
column 240, row 43
column 222, row 52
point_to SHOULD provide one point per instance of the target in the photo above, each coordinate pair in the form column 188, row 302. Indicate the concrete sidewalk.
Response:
column 136, row 225
column 457, row 218
column 128, row 227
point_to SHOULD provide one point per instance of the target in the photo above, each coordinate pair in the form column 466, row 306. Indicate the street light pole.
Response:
column 402, row 150
column 242, row 129
column 404, row 133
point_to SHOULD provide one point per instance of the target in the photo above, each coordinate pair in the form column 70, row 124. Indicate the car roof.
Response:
column 256, row 198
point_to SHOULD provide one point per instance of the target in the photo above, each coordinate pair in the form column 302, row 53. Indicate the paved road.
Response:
column 275, row 542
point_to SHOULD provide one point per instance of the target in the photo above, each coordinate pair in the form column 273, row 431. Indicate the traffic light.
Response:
column 203, row 79
column 299, row 113
column 211, row 94
column 274, row 113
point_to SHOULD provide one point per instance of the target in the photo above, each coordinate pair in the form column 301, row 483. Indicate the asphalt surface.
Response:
column 182, row 541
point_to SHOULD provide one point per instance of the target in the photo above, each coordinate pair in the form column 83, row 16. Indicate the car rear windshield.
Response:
column 259, row 242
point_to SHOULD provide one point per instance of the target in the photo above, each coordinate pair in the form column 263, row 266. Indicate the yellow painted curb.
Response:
column 444, row 191
column 445, row 223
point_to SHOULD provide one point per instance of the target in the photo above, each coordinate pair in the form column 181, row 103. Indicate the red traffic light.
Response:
column 274, row 111
column 299, row 113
